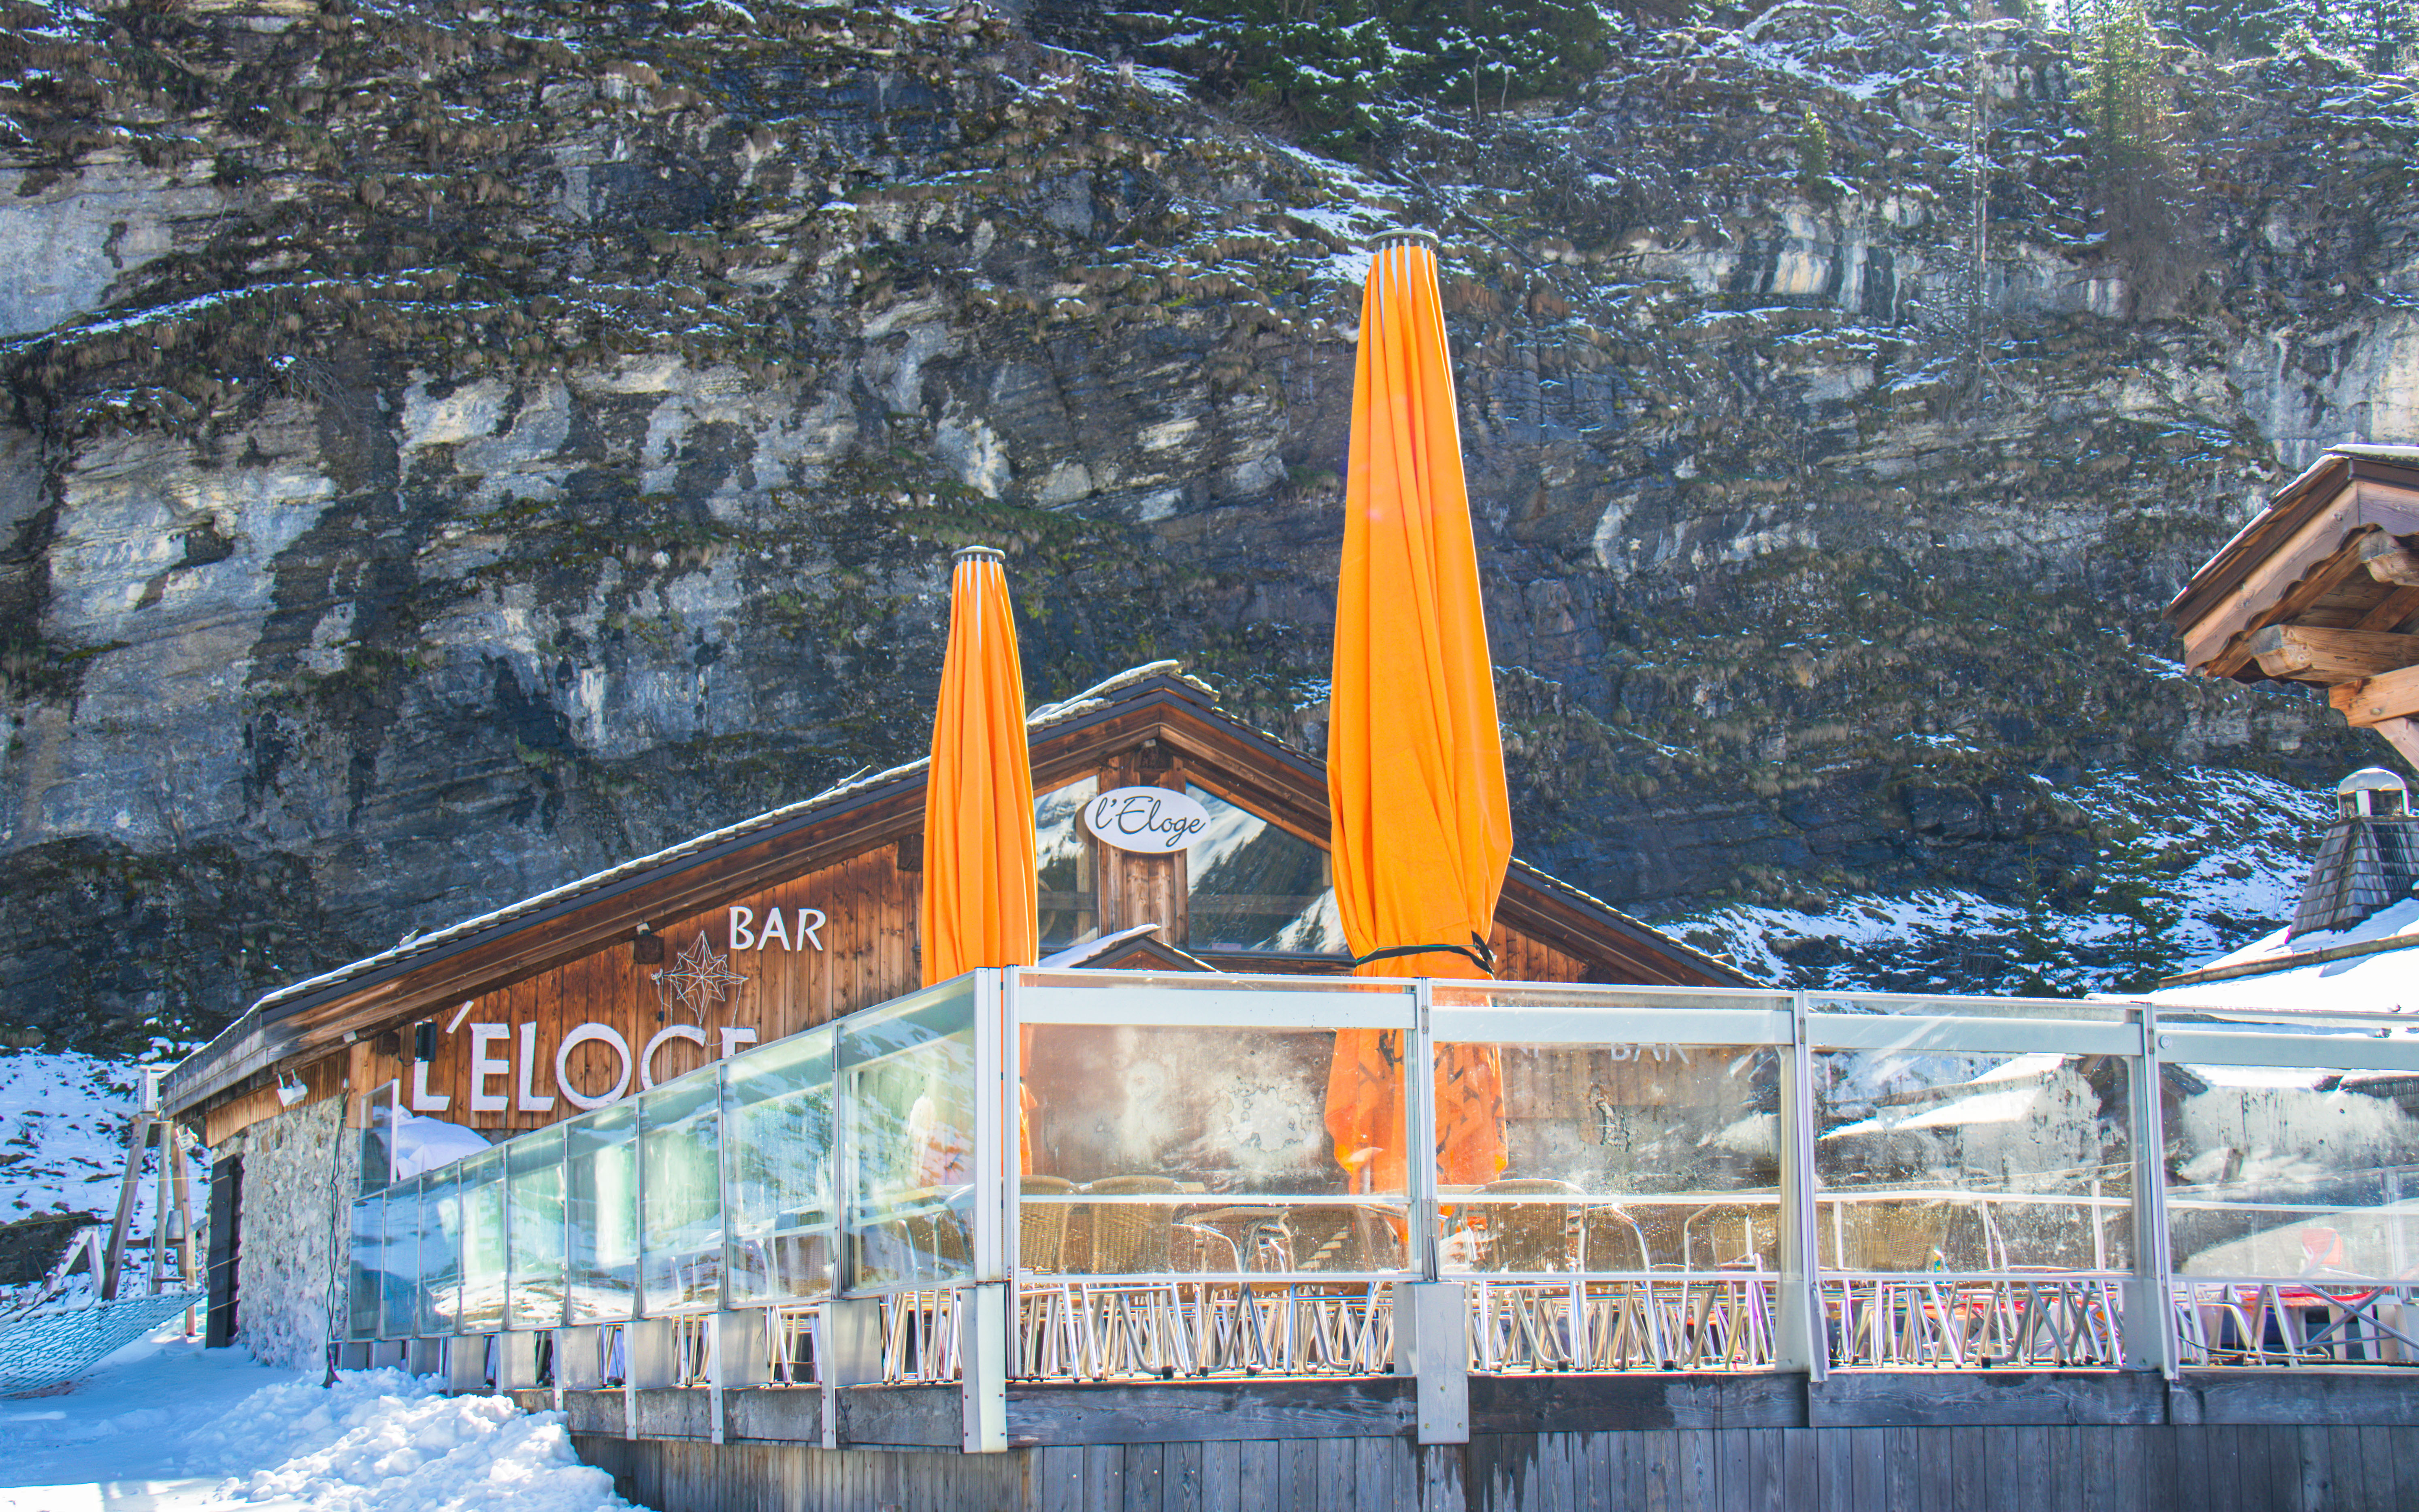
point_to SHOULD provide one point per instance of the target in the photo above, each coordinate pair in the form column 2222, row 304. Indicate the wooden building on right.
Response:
column 2322, row 588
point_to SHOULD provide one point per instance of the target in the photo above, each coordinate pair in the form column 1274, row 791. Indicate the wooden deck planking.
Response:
column 2346, row 1452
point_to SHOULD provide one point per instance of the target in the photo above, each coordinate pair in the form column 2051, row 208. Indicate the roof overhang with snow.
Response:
column 1153, row 707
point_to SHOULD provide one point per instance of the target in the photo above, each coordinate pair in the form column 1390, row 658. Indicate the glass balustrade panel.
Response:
column 1205, row 1149
column 600, row 1207
column 2277, row 1173
column 441, row 1251
column 480, row 1195
column 365, row 1272
column 399, row 1252
column 1616, row 1157
column 533, row 1225
column 906, row 1080
column 680, row 1196
column 776, row 1149
column 1972, row 1161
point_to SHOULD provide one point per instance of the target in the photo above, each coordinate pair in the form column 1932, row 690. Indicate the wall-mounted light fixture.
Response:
column 290, row 1089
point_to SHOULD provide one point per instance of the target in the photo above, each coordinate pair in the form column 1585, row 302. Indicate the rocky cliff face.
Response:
column 452, row 447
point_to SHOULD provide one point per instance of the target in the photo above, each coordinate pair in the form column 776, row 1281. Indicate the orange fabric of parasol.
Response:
column 980, row 894
column 1422, row 825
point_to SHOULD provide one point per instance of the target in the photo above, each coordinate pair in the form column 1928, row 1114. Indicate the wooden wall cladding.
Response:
column 845, row 940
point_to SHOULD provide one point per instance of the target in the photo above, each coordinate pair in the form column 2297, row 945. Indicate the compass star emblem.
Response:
column 701, row 978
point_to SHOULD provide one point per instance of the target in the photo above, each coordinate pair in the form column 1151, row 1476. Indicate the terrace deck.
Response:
column 2030, row 1441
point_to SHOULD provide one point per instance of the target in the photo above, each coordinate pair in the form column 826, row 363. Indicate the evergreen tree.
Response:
column 1813, row 155
column 1483, row 56
column 2382, row 34
column 1332, row 63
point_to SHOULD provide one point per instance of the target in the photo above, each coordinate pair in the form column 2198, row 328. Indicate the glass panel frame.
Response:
column 534, row 1272
column 600, row 1215
column 779, row 1127
column 2280, row 1173
column 365, row 1269
column 1624, row 1157
column 680, row 1196
column 1973, row 1162
column 399, row 1288
column 908, row 1109
column 479, row 1201
column 441, row 1253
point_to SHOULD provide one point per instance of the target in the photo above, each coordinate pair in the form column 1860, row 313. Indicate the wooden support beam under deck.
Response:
column 2307, row 653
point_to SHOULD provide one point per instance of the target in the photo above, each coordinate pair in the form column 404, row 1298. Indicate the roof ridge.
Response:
column 1047, row 714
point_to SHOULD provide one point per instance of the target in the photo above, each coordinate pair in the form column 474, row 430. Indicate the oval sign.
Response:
column 1156, row 820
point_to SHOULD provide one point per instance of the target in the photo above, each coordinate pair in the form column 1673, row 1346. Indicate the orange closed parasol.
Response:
column 980, row 895
column 1423, row 825
column 981, row 898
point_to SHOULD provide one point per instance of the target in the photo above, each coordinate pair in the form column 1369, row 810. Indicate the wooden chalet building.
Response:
column 2322, row 588
column 597, row 990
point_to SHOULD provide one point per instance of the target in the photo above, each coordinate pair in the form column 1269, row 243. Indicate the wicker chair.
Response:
column 1897, row 1236
column 1611, row 1240
column 1129, row 1238
column 1233, row 1238
column 1042, row 1227
column 1731, row 1235
column 1346, row 1237
column 1528, row 1235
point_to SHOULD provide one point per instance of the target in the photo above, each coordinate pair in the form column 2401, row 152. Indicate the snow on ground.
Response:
column 164, row 1425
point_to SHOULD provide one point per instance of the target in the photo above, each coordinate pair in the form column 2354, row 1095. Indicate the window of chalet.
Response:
column 1071, row 901
column 1257, row 888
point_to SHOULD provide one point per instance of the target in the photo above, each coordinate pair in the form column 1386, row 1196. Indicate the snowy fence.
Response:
column 1143, row 1167
column 46, row 1348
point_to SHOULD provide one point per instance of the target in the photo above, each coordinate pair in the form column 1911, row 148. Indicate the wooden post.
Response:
column 188, row 1256
column 160, row 1200
column 137, row 1136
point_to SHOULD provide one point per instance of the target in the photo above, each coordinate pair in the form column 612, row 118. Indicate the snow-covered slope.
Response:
column 63, row 1120
column 2188, row 868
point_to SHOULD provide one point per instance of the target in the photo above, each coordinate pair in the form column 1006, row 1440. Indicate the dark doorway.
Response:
column 227, row 1219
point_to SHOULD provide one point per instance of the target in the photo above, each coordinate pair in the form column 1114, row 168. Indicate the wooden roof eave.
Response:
column 408, row 991
column 1251, row 768
column 2317, row 560
column 2303, row 547
column 2285, row 516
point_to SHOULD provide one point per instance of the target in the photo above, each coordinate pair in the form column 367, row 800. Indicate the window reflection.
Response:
column 1070, row 905
column 1257, row 888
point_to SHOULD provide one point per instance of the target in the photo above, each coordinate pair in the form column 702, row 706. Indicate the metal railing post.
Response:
column 983, row 1367
column 1420, row 1066
column 992, row 1139
column 2150, row 1342
column 1801, row 1343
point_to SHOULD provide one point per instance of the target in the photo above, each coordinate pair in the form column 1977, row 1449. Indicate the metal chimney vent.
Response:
column 2369, row 858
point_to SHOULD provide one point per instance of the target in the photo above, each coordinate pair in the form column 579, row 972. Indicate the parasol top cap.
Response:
column 1400, row 236
column 978, row 553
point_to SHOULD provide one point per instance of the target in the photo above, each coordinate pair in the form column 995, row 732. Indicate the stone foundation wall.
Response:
column 299, row 1174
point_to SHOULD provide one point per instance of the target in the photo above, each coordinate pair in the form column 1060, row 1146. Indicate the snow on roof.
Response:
column 2384, row 982
column 1083, row 951
column 1096, row 696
